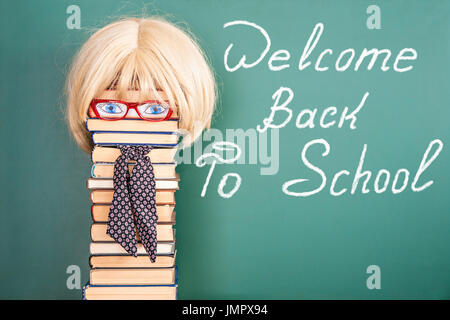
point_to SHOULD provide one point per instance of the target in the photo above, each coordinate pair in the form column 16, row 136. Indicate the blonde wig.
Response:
column 152, row 56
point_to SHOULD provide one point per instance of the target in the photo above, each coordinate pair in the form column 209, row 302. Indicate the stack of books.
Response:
column 114, row 273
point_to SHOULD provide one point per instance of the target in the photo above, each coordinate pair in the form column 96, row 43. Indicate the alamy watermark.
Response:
column 235, row 146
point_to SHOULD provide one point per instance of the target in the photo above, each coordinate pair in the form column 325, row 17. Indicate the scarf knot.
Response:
column 135, row 152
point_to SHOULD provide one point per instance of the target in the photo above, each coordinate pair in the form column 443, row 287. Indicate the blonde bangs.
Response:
column 149, row 55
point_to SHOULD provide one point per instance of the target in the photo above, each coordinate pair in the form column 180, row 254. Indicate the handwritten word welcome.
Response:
column 342, row 62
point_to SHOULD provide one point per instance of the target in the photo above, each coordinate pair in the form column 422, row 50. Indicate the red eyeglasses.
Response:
column 151, row 110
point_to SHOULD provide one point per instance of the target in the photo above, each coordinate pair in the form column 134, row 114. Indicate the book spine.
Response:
column 93, row 171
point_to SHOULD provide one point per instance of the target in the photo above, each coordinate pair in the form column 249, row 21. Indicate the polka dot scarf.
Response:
column 133, row 205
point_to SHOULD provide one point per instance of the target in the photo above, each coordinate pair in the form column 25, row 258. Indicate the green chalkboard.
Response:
column 261, row 242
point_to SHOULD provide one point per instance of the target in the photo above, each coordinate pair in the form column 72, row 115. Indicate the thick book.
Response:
column 164, row 232
column 160, row 170
column 110, row 154
column 165, row 213
column 164, row 139
column 106, row 196
column 124, row 261
column 112, row 248
column 132, row 276
column 130, row 292
column 131, row 125
column 107, row 183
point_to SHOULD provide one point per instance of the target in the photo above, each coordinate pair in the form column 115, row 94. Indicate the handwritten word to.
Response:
column 399, row 183
column 202, row 161
column 280, row 58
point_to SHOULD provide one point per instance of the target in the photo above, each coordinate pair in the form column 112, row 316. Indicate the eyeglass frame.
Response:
column 130, row 105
